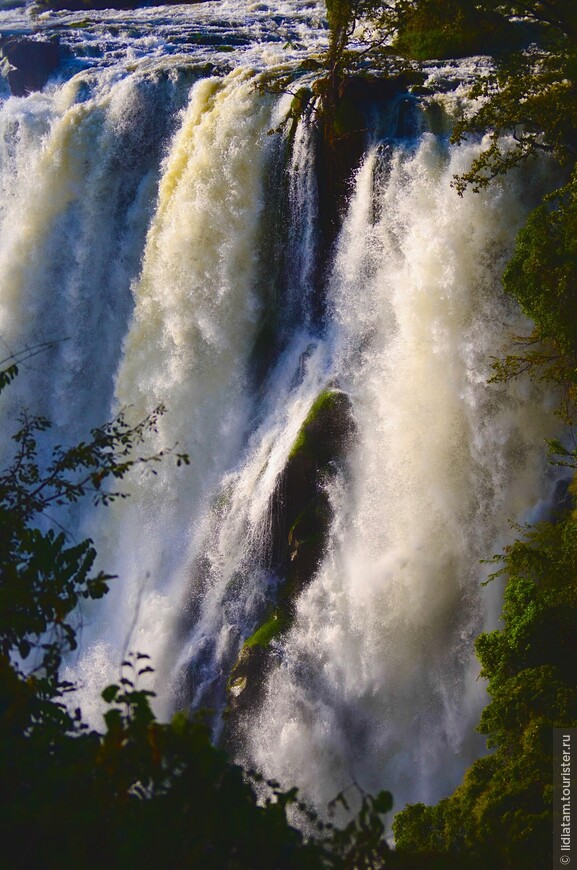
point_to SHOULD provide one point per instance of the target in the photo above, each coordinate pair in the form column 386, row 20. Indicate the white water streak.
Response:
column 77, row 180
column 303, row 217
column 377, row 681
column 193, row 329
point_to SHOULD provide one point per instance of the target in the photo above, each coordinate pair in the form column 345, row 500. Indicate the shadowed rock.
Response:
column 30, row 63
column 301, row 506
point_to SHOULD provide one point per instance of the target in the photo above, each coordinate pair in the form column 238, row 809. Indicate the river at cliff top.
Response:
column 223, row 33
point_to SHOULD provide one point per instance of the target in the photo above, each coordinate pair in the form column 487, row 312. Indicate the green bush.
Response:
column 542, row 273
column 451, row 29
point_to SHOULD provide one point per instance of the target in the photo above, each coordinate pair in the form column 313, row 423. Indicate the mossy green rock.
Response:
column 301, row 508
column 267, row 632
column 301, row 499
column 253, row 664
column 325, row 429
column 247, row 678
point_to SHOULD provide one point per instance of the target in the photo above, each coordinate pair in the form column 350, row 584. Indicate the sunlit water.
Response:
column 141, row 231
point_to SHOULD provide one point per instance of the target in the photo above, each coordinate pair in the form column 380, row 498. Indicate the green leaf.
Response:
column 109, row 693
column 383, row 802
column 113, row 719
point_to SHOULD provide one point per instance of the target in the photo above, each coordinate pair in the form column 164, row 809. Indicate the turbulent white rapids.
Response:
column 142, row 231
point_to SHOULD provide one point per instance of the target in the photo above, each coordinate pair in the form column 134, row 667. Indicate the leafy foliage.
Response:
column 448, row 29
column 530, row 93
column 43, row 577
column 150, row 794
column 140, row 794
column 542, row 277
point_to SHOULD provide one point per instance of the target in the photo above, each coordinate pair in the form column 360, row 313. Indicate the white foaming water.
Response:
column 78, row 180
column 224, row 32
column 303, row 216
column 377, row 682
column 188, row 345
column 135, row 227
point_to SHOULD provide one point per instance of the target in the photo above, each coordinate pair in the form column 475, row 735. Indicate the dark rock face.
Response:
column 303, row 515
column 342, row 140
column 246, row 681
column 32, row 63
column 300, row 501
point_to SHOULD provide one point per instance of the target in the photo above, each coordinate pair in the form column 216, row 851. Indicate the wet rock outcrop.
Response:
column 29, row 63
column 347, row 112
column 302, row 512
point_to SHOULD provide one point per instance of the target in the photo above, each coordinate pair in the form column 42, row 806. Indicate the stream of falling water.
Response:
column 377, row 681
column 142, row 232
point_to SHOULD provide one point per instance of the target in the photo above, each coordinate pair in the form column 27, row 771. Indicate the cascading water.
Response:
column 169, row 245
column 378, row 680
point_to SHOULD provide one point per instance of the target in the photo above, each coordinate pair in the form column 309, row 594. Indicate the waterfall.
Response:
column 160, row 231
column 377, row 681
column 78, row 176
